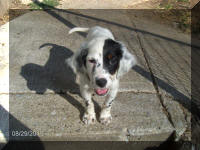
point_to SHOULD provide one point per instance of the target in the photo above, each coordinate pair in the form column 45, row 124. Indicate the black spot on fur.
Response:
column 81, row 59
column 112, row 54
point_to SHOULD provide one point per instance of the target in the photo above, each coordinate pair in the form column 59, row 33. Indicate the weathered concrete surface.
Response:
column 168, row 54
column 129, row 118
column 36, row 69
column 39, row 44
column 180, row 120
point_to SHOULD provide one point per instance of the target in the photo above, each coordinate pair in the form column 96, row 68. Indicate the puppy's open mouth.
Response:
column 101, row 92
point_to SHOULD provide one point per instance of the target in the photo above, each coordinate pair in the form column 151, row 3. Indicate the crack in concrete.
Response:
column 181, row 107
column 153, row 78
column 128, row 134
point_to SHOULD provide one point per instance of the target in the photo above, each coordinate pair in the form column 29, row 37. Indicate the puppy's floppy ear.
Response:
column 127, row 61
column 77, row 61
column 81, row 59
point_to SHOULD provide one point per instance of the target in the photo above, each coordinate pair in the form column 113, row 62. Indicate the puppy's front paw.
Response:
column 105, row 120
column 105, row 116
column 88, row 118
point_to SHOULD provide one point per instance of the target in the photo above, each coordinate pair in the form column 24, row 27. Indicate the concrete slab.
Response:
column 168, row 53
column 166, row 66
column 180, row 120
column 39, row 44
column 37, row 48
column 57, row 117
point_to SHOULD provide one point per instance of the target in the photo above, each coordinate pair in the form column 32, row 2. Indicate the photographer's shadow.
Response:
column 54, row 75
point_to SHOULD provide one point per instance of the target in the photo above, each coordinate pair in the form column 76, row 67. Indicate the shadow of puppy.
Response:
column 54, row 75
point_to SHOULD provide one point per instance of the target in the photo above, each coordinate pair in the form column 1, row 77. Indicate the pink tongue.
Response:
column 101, row 91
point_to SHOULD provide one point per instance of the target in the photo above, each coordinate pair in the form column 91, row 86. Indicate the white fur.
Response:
column 85, row 76
column 78, row 29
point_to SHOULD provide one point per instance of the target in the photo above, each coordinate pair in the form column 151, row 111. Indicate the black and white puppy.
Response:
column 98, row 65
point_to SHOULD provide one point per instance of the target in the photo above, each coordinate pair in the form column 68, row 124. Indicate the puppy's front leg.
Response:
column 105, row 116
column 89, row 115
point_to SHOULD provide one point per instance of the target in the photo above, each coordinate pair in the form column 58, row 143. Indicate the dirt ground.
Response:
column 15, row 5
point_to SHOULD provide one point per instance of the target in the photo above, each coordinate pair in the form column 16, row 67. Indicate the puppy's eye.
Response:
column 93, row 61
column 109, row 56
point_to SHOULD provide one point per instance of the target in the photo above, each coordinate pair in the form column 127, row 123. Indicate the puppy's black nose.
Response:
column 101, row 82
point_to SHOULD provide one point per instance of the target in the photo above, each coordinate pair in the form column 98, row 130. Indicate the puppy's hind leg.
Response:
column 89, row 115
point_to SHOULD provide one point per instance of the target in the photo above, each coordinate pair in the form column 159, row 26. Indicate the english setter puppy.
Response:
column 98, row 65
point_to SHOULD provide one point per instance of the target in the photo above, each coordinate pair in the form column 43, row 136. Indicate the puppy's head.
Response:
column 102, row 61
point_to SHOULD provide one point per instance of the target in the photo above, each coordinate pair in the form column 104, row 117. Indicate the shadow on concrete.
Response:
column 57, row 76
column 178, row 96
column 54, row 75
column 15, row 133
column 182, row 99
column 186, row 102
column 52, row 11
column 60, row 81
column 168, row 88
column 22, row 142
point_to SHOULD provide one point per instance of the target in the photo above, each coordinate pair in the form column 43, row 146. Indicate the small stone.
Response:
column 53, row 112
column 58, row 134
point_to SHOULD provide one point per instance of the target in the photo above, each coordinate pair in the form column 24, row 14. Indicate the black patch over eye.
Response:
column 113, row 60
column 112, row 54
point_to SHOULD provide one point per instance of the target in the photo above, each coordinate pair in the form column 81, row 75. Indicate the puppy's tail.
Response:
column 78, row 29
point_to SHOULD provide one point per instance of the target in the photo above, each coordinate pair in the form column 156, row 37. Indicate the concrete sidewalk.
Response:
column 154, row 98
